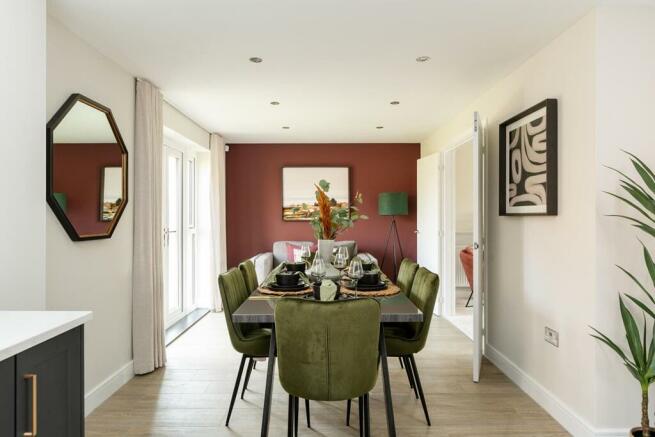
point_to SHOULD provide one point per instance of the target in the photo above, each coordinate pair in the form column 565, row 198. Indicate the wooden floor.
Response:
column 191, row 395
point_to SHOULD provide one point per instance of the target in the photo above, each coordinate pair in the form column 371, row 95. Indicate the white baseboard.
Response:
column 572, row 422
column 101, row 392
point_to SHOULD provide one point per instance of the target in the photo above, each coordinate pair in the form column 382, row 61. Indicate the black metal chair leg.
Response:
column 254, row 364
column 367, row 416
column 401, row 362
column 410, row 376
column 245, row 383
column 360, row 403
column 468, row 302
column 236, row 390
column 290, row 417
column 295, row 417
column 417, row 378
column 348, row 412
column 309, row 423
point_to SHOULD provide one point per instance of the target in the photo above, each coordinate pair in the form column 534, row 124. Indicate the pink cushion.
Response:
column 466, row 257
column 292, row 248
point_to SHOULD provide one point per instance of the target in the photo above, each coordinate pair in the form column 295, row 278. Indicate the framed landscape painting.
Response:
column 298, row 198
column 528, row 161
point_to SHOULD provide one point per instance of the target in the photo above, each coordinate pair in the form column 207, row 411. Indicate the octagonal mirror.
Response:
column 87, row 169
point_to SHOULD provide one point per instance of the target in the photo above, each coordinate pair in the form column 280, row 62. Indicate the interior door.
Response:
column 479, row 241
column 173, row 225
column 428, row 212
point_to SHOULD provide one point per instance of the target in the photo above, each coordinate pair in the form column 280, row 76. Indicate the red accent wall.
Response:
column 77, row 170
column 254, row 193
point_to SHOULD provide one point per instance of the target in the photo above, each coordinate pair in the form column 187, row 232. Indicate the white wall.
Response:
column 464, row 188
column 93, row 275
column 625, row 90
column 22, row 123
column 541, row 269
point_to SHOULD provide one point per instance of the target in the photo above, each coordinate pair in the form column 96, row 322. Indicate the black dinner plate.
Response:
column 299, row 286
column 361, row 287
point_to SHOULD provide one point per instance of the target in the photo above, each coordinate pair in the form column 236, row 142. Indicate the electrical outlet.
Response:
column 551, row 336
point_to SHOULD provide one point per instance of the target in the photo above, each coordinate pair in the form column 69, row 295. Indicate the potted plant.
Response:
column 329, row 219
column 640, row 358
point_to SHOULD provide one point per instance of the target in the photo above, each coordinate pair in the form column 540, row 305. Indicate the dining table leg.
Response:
column 268, row 394
column 391, row 425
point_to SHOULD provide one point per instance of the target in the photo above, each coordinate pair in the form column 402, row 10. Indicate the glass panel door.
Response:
column 172, row 233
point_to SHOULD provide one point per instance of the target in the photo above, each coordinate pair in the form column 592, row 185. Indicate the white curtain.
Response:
column 217, row 195
column 148, row 342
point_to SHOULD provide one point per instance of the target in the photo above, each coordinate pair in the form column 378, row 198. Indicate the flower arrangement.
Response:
column 329, row 219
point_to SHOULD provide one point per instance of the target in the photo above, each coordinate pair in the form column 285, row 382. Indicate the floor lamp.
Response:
column 393, row 204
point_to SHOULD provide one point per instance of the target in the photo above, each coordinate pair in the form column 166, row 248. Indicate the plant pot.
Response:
column 325, row 249
column 636, row 432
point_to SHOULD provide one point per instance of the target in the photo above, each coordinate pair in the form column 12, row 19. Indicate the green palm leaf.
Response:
column 650, row 296
column 632, row 335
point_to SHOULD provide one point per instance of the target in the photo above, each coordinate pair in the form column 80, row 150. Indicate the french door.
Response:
column 179, row 233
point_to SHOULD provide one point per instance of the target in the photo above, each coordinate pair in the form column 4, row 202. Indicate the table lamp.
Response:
column 393, row 204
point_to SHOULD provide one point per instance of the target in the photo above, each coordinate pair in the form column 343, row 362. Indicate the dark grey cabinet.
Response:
column 48, row 388
column 7, row 397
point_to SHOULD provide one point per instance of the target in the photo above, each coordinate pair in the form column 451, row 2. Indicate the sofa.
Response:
column 267, row 261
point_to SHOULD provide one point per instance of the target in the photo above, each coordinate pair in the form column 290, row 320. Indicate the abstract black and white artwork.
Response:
column 528, row 161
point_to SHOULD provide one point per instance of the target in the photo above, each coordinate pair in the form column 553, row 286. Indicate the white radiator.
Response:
column 460, row 276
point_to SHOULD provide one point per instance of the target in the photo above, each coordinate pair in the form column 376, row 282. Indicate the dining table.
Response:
column 260, row 308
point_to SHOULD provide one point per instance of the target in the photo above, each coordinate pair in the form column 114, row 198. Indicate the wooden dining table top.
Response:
column 260, row 308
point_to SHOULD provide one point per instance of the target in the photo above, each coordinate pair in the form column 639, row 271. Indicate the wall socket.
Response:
column 551, row 336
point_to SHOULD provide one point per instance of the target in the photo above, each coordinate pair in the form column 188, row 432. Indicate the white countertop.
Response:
column 20, row 330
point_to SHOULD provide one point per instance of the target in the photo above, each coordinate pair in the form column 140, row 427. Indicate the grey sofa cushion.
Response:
column 280, row 249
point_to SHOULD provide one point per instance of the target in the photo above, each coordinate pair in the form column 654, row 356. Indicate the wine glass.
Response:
column 318, row 268
column 356, row 271
column 305, row 252
column 344, row 250
column 340, row 262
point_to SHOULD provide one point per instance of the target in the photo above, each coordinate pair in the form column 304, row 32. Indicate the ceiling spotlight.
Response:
column 286, row 127
column 394, row 102
column 379, row 127
column 275, row 103
column 255, row 59
column 423, row 59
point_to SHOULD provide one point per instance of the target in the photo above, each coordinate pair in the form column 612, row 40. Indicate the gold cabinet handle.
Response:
column 35, row 391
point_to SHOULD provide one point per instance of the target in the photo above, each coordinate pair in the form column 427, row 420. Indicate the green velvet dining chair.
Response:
column 406, row 275
column 327, row 351
column 249, row 273
column 250, row 341
column 403, row 340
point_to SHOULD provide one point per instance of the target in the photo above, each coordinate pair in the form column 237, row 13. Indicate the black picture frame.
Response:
column 548, row 108
column 50, row 197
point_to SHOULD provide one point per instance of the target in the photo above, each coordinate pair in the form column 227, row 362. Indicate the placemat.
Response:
column 266, row 291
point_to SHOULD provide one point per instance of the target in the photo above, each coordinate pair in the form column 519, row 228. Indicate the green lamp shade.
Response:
column 393, row 204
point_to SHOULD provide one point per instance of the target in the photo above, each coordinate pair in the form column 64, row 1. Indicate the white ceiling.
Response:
column 84, row 124
column 333, row 65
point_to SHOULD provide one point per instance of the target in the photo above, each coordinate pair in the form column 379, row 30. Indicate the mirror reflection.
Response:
column 88, row 169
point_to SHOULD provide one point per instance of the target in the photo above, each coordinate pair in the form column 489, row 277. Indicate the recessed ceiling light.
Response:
column 255, row 59
column 275, row 103
column 286, row 127
column 423, row 59
column 379, row 127
column 394, row 102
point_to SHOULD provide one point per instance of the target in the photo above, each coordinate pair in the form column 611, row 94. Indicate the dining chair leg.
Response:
column 254, row 364
column 309, row 423
column 401, row 362
column 417, row 378
column 245, row 383
column 348, row 412
column 290, row 417
column 236, row 390
column 367, row 416
column 295, row 416
column 410, row 376
column 360, row 405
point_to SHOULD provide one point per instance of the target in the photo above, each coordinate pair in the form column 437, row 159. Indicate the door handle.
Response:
column 32, row 377
column 476, row 246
